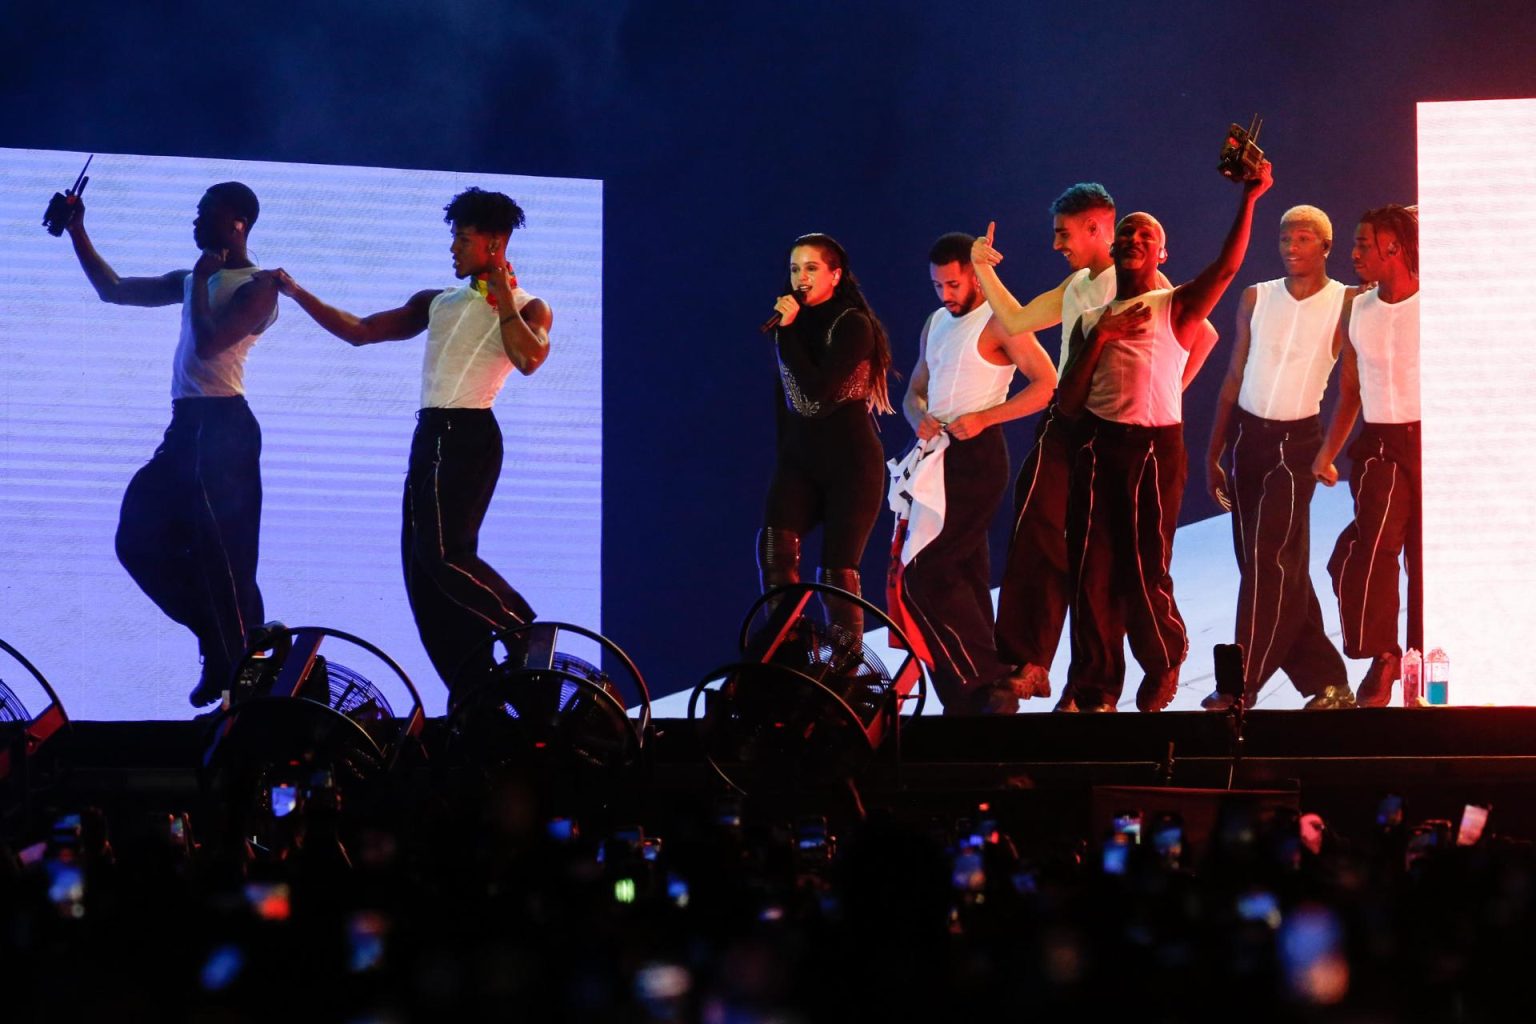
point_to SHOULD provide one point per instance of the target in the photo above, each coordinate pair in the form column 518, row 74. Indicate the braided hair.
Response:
column 1402, row 224
column 848, row 290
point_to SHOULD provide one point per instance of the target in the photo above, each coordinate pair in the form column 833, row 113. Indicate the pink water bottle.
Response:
column 1413, row 679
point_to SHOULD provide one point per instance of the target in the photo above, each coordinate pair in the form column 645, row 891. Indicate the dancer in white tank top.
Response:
column 477, row 334
column 1379, row 372
column 959, row 386
column 1267, row 415
column 190, row 524
column 1035, row 592
column 1129, row 361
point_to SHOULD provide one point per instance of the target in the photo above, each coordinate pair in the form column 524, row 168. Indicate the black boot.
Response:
column 778, row 565
column 845, row 617
column 778, row 557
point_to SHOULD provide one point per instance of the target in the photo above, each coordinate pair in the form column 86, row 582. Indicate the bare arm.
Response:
column 1043, row 311
column 1205, row 340
column 164, row 290
column 1348, row 407
column 914, row 405
column 247, row 310
column 396, row 324
column 1194, row 301
column 1026, row 356
column 1231, row 385
column 525, row 335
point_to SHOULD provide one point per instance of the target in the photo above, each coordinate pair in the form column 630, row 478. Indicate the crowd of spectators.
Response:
column 481, row 905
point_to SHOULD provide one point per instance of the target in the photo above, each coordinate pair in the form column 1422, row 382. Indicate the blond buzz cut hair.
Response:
column 1312, row 217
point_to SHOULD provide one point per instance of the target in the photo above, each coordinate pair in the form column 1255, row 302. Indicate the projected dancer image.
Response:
column 1379, row 375
column 476, row 335
column 1035, row 592
column 829, row 469
column 188, row 532
column 1268, row 416
column 1125, row 377
column 956, row 401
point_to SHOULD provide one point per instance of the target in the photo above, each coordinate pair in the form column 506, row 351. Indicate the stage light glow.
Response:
column 85, row 397
column 1477, row 198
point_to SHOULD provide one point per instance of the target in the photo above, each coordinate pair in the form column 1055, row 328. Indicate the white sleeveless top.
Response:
column 222, row 375
column 960, row 380
column 1386, row 340
column 1290, row 351
column 465, row 365
column 1140, row 380
column 1082, row 294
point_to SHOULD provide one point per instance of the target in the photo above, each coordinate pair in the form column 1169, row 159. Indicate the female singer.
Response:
column 833, row 358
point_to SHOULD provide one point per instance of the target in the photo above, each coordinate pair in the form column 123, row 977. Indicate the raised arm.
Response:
column 164, row 290
column 1194, row 301
column 1226, row 401
column 1026, row 355
column 396, row 324
column 1043, row 311
column 1348, row 406
column 914, row 405
column 246, row 312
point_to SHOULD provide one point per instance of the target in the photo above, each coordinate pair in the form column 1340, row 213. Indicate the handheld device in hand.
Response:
column 1241, row 156
column 64, row 205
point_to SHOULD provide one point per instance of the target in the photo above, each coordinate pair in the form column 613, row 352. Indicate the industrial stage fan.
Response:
column 808, row 701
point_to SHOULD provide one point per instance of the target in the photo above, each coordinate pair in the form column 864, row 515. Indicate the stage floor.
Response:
column 1205, row 582
column 1339, row 763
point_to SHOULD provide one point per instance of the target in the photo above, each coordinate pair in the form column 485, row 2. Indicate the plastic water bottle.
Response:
column 1413, row 678
column 1438, row 688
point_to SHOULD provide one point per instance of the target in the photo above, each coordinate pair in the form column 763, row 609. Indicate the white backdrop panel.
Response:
column 1477, row 196
column 85, row 396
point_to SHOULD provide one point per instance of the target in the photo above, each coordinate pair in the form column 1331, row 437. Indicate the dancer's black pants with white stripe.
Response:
column 1127, row 486
column 948, row 584
column 458, row 600
column 1388, row 505
column 190, row 525
column 1036, row 587
column 1279, row 618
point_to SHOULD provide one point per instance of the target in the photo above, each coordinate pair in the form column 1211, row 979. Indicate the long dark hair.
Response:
column 849, row 291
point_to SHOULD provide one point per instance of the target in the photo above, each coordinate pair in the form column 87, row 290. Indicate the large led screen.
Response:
column 1477, row 195
column 85, row 397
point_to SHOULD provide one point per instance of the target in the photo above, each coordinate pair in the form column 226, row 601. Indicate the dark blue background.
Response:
column 722, row 130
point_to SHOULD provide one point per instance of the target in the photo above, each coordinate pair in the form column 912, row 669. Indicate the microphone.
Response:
column 773, row 321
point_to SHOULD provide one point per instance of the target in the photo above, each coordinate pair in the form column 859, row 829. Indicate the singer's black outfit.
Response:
column 830, row 467
column 458, row 600
column 190, row 525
